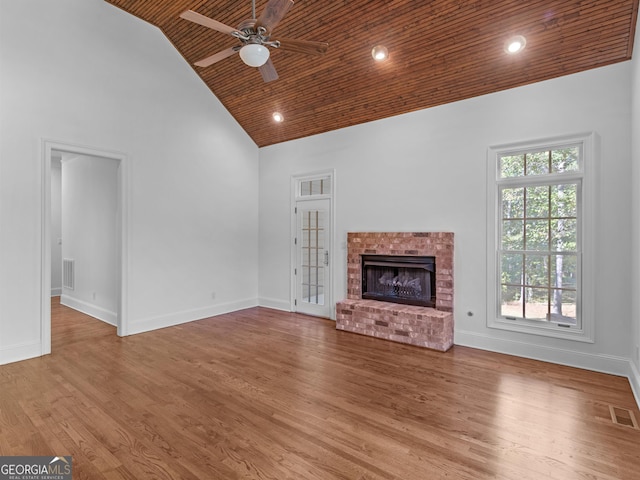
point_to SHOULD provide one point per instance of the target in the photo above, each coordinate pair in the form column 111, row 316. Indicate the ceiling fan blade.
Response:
column 268, row 72
column 303, row 46
column 216, row 57
column 200, row 19
column 273, row 13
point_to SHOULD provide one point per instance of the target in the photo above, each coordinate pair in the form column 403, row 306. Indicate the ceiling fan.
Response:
column 255, row 38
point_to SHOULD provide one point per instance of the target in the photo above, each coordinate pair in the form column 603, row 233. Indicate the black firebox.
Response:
column 400, row 279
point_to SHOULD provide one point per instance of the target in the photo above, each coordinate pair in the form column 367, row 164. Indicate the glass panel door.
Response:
column 312, row 269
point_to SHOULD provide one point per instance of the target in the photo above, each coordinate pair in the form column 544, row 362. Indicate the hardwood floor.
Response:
column 69, row 326
column 261, row 394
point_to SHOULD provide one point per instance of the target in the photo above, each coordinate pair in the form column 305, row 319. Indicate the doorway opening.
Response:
column 102, row 294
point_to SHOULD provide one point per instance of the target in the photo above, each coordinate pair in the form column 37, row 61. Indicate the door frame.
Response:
column 48, row 147
column 296, row 180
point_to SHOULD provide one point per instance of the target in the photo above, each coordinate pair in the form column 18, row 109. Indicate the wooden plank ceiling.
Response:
column 441, row 51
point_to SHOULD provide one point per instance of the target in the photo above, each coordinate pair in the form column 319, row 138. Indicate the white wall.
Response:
column 635, row 219
column 426, row 171
column 56, row 226
column 90, row 232
column 85, row 73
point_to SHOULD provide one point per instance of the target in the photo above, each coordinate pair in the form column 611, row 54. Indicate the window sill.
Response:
column 542, row 329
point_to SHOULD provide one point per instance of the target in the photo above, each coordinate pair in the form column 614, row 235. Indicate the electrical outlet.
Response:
column 213, row 295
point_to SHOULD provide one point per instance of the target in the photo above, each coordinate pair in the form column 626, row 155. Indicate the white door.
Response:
column 312, row 270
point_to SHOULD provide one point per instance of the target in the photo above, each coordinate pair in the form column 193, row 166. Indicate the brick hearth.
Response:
column 421, row 326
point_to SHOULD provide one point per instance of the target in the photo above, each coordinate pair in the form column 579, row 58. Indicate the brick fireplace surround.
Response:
column 420, row 326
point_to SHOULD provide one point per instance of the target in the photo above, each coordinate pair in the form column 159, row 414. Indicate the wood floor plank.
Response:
column 261, row 394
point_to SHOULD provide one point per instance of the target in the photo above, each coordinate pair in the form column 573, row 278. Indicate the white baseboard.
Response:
column 596, row 362
column 634, row 380
column 89, row 309
column 275, row 304
column 172, row 319
column 56, row 292
column 17, row 353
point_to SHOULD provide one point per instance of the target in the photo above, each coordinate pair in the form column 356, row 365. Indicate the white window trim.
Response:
column 586, row 294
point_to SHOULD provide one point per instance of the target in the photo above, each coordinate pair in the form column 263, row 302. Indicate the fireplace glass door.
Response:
column 399, row 279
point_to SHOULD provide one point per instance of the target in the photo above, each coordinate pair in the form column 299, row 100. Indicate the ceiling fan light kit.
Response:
column 254, row 54
column 255, row 37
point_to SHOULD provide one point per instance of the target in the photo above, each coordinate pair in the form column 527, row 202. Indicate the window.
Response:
column 538, row 219
column 315, row 186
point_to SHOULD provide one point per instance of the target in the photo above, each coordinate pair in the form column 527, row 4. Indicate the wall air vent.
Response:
column 68, row 273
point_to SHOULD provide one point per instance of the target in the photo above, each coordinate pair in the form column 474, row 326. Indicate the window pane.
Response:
column 564, row 235
column 309, row 239
column 512, row 166
column 310, row 275
column 537, row 270
column 537, row 235
column 537, row 303
column 316, row 257
column 538, row 202
column 510, row 305
column 564, row 200
column 513, row 203
column 512, row 235
column 563, row 307
column 311, row 219
column 512, row 268
column 319, row 186
column 564, row 271
column 537, row 163
column 308, row 220
column 565, row 160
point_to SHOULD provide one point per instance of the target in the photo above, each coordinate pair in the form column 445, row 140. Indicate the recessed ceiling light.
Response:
column 515, row 44
column 380, row 53
column 277, row 116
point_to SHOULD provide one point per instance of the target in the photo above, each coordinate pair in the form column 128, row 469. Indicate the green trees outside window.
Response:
column 538, row 240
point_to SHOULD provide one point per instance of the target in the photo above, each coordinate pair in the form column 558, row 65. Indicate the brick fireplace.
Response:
column 416, row 325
